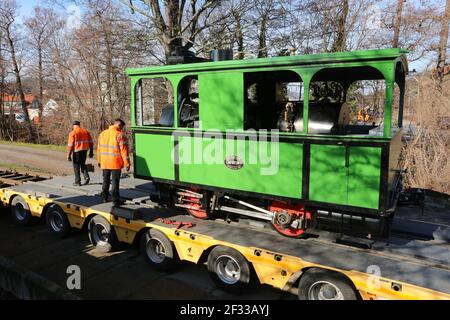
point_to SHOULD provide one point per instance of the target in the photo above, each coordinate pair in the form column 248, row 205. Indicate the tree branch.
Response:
column 130, row 5
column 195, row 17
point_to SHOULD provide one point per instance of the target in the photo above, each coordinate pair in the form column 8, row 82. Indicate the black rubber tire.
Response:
column 315, row 275
column 23, row 218
column 167, row 262
column 61, row 230
column 239, row 259
column 111, row 238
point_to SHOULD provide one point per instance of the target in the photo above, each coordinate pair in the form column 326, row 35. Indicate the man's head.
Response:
column 76, row 123
column 119, row 123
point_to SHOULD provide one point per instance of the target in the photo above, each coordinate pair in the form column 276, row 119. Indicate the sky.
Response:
column 28, row 5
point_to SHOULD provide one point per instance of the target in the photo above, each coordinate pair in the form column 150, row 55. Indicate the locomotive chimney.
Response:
column 180, row 56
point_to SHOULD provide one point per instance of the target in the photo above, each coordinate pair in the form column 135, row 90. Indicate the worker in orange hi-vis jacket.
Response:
column 79, row 143
column 112, row 153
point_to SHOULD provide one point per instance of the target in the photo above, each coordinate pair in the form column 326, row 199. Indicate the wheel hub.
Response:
column 100, row 234
column 324, row 290
column 283, row 218
column 155, row 250
column 228, row 270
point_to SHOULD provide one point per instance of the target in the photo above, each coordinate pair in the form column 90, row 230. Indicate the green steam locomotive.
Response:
column 299, row 142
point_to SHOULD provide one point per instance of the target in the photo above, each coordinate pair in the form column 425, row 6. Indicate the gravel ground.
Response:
column 37, row 160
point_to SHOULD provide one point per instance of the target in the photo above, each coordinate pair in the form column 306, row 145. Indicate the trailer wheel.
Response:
column 320, row 284
column 57, row 221
column 20, row 211
column 159, row 251
column 229, row 269
column 102, row 234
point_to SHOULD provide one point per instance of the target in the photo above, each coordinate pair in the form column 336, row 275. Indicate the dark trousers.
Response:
column 79, row 163
column 109, row 175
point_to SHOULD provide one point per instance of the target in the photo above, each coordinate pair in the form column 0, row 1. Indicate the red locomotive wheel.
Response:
column 289, row 232
column 295, row 212
column 200, row 214
column 196, row 210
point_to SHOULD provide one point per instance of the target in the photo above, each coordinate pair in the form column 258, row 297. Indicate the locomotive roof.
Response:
column 299, row 60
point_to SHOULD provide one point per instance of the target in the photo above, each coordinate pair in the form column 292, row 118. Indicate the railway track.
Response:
column 13, row 177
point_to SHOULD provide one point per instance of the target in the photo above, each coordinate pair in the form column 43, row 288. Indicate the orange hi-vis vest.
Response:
column 79, row 140
column 112, row 149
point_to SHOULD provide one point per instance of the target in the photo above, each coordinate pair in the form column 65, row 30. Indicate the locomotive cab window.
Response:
column 347, row 101
column 273, row 100
column 188, row 102
column 366, row 100
column 154, row 102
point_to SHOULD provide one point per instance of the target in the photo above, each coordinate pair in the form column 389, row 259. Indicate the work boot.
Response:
column 104, row 197
column 118, row 203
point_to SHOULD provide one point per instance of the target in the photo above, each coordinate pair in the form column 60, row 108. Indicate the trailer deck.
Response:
column 403, row 267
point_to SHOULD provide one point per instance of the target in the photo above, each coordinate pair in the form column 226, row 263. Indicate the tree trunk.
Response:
column 262, row 38
column 398, row 23
column 443, row 45
column 240, row 39
column 41, row 81
column 41, row 90
column 2, row 95
column 19, row 85
column 341, row 32
column 109, row 77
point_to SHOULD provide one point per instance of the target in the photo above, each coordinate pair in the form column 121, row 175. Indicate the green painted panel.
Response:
column 277, row 172
column 154, row 156
column 221, row 100
column 328, row 174
column 364, row 177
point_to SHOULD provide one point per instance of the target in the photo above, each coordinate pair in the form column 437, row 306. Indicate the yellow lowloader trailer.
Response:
column 413, row 264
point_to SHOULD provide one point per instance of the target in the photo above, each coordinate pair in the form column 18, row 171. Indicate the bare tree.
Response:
column 264, row 9
column 40, row 29
column 3, row 116
column 8, row 14
column 341, row 30
column 176, row 22
column 443, row 40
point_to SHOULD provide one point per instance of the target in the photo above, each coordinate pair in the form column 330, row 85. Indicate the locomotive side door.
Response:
column 153, row 125
column 328, row 174
column 364, row 174
column 345, row 175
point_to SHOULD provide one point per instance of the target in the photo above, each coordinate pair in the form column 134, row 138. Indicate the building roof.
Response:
column 16, row 98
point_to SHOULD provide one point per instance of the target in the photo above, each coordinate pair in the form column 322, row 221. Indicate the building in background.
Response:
column 13, row 106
